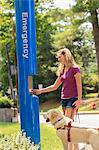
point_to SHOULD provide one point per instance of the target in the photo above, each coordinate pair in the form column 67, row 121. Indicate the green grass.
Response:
column 49, row 139
column 9, row 128
column 91, row 95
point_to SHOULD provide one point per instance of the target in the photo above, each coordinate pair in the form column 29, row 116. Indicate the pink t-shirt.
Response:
column 69, row 88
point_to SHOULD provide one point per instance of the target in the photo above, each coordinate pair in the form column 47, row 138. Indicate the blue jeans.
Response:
column 68, row 103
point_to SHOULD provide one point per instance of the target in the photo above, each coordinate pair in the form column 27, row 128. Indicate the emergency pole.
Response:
column 26, row 58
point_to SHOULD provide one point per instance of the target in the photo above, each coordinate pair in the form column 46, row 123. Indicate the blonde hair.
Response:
column 69, row 60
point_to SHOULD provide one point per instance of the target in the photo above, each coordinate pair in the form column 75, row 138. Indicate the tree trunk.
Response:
column 94, row 16
column 16, row 78
column 9, row 71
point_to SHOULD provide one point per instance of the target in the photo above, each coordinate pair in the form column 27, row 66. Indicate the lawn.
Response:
column 49, row 139
column 9, row 128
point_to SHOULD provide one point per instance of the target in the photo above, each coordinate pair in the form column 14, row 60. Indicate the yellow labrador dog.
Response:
column 76, row 134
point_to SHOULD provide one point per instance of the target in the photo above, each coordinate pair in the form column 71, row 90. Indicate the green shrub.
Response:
column 5, row 102
column 19, row 142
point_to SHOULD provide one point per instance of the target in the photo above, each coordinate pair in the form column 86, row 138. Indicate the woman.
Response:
column 69, row 76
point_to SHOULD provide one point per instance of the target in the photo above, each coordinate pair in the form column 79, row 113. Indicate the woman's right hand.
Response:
column 35, row 91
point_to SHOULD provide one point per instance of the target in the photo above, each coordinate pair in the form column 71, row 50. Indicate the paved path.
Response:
column 84, row 120
column 87, row 120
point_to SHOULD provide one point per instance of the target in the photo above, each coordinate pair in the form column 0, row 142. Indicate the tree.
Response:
column 45, row 56
column 55, row 28
column 7, row 39
column 91, row 8
column 72, row 32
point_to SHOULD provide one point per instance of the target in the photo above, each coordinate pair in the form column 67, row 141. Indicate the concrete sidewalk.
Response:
column 80, row 112
column 88, row 112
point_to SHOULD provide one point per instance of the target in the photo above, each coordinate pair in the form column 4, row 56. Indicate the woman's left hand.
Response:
column 77, row 103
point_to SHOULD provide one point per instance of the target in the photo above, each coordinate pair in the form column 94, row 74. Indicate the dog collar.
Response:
column 57, row 121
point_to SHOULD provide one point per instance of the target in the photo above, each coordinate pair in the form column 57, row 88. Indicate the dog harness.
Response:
column 68, row 129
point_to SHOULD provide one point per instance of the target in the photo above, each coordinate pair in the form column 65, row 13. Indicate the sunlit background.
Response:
column 64, row 3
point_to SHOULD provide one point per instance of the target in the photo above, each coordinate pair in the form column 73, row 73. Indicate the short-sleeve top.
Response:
column 69, row 87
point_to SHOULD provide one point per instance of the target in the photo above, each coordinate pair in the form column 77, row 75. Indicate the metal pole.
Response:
column 26, row 58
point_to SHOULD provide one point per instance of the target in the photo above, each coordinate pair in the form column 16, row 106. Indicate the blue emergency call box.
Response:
column 26, row 58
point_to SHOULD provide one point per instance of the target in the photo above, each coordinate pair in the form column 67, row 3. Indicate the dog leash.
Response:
column 68, row 133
